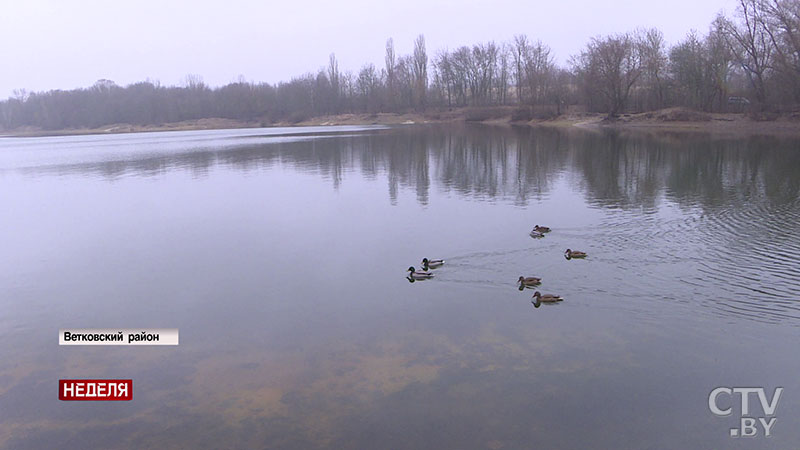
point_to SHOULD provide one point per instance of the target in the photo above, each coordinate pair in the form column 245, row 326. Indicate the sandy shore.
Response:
column 673, row 120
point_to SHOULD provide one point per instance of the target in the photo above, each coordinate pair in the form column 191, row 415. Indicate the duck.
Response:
column 432, row 263
column 544, row 298
column 536, row 234
column 418, row 275
column 569, row 254
column 541, row 229
column 529, row 281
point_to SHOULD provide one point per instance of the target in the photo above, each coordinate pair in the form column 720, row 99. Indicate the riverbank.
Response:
column 188, row 125
column 685, row 120
column 672, row 119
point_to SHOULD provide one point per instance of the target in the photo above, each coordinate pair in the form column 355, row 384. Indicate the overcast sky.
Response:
column 68, row 44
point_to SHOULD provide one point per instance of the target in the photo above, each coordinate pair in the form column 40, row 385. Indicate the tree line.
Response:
column 749, row 61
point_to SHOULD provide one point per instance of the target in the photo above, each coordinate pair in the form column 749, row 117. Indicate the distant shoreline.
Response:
column 668, row 120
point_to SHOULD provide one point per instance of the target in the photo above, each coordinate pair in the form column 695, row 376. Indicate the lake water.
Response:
column 280, row 255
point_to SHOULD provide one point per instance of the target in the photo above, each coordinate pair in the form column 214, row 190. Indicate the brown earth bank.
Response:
column 671, row 119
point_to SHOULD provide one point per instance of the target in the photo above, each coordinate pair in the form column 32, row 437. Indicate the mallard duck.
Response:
column 529, row 281
column 536, row 234
column 574, row 254
column 432, row 263
column 418, row 275
column 541, row 229
column 546, row 298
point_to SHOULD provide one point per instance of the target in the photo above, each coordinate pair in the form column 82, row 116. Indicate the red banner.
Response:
column 95, row 390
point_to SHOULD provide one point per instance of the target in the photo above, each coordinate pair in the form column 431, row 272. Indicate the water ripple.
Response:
column 743, row 257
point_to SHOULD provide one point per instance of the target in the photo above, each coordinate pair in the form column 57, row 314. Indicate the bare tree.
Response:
column 539, row 66
column 719, row 62
column 368, row 85
column 654, row 66
column 781, row 20
column 404, row 81
column 611, row 66
column 521, row 49
column 420, row 69
column 751, row 45
column 560, row 91
column 391, row 78
column 194, row 82
column 481, row 68
column 335, row 84
column 347, row 82
column 461, row 62
column 503, row 75
column 440, row 84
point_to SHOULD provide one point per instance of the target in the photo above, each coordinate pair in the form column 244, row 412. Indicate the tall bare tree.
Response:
column 368, row 86
column 335, row 82
column 751, row 45
column 611, row 66
column 503, row 74
column 420, row 68
column 654, row 66
column 390, row 61
column 521, row 50
column 539, row 69
column 782, row 21
column 443, row 76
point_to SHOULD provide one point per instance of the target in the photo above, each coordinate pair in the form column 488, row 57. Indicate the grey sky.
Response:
column 67, row 44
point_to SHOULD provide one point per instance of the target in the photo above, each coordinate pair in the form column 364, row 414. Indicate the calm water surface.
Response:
column 280, row 256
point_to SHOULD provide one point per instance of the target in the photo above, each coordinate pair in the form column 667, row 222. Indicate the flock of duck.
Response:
column 523, row 282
